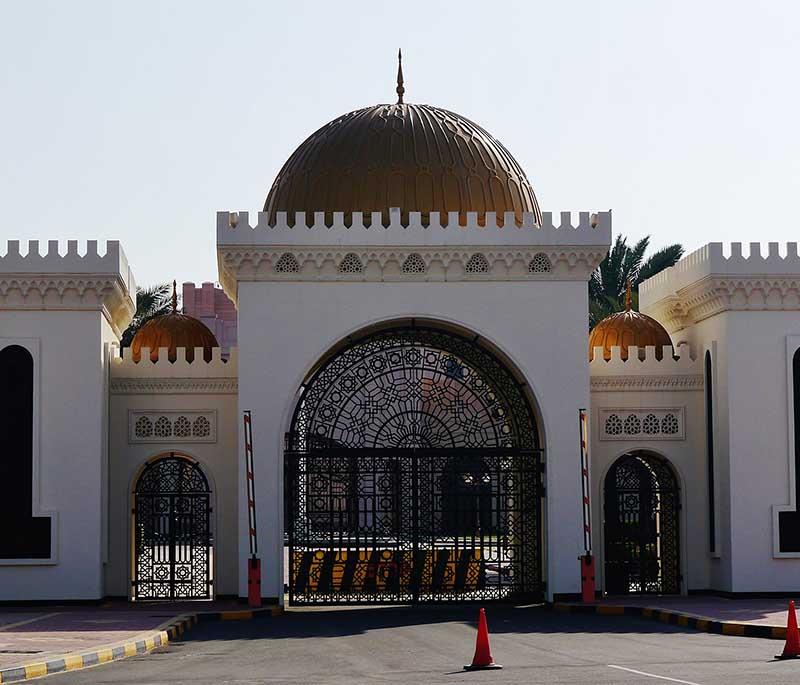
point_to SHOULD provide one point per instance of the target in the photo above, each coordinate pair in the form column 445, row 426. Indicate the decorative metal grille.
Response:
column 172, row 426
column 477, row 264
column 413, row 474
column 642, row 503
column 540, row 264
column 413, row 388
column 649, row 424
column 172, row 531
column 351, row 264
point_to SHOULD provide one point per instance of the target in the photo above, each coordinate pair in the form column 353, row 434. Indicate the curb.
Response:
column 701, row 623
column 174, row 628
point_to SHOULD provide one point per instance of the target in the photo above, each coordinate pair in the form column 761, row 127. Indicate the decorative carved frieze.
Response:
column 174, row 386
column 485, row 248
column 285, row 263
column 645, row 383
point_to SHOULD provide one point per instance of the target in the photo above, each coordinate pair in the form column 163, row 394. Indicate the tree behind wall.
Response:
column 609, row 281
column 150, row 302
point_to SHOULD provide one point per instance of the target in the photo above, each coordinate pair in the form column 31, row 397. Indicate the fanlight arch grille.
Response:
column 413, row 388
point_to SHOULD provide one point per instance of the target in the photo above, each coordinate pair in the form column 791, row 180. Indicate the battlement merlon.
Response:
column 710, row 260
column 585, row 229
column 679, row 360
column 124, row 366
column 703, row 283
column 51, row 280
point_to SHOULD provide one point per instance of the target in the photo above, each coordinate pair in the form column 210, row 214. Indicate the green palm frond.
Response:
column 658, row 261
column 150, row 302
column 608, row 283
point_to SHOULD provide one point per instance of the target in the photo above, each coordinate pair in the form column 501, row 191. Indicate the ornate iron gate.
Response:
column 172, row 531
column 413, row 474
column 388, row 526
column 642, row 504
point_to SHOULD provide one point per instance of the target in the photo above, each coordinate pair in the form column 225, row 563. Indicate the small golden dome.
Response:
column 416, row 157
column 627, row 328
column 173, row 330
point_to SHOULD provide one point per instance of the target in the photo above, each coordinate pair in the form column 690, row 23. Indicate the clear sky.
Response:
column 139, row 120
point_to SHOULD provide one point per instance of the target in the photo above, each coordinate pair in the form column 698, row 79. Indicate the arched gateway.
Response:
column 413, row 474
column 642, row 539
column 172, row 531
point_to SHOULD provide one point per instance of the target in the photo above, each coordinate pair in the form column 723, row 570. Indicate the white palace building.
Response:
column 413, row 348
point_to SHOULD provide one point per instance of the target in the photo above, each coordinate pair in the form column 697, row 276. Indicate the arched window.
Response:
column 789, row 521
column 709, row 386
column 24, row 535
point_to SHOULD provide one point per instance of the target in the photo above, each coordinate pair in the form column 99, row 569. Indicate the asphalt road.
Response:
column 431, row 645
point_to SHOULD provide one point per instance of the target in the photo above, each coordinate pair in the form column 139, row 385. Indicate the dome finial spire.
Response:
column 174, row 296
column 400, row 90
column 628, row 297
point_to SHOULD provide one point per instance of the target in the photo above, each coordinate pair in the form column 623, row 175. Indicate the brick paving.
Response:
column 769, row 612
column 49, row 632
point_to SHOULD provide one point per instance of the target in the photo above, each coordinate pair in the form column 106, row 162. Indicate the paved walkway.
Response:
column 28, row 635
column 767, row 612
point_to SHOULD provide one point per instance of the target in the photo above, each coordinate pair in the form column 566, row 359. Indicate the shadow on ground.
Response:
column 334, row 623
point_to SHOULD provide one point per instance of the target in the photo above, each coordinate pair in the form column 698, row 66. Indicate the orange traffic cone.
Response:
column 483, row 655
column 792, row 648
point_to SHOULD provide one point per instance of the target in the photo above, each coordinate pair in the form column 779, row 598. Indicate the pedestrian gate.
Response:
column 172, row 531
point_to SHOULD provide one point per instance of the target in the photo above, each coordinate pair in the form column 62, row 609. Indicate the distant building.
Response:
column 215, row 309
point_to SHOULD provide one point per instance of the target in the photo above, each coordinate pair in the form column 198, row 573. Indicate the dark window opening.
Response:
column 712, row 516
column 789, row 521
column 25, row 536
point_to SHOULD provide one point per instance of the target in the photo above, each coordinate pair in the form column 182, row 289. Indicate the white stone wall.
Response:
column 744, row 308
column 659, row 387
column 65, row 307
column 285, row 328
column 152, row 390
column 69, row 419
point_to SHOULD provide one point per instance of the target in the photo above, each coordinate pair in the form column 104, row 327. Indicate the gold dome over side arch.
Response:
column 173, row 330
column 415, row 157
column 628, row 328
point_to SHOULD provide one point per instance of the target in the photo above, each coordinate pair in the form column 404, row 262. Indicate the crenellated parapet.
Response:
column 144, row 377
column 483, row 247
column 709, row 281
column 48, row 279
column 678, row 369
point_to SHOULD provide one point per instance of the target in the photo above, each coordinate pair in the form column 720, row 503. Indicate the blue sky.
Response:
column 138, row 121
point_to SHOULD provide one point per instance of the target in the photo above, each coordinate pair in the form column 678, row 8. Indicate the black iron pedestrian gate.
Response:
column 413, row 474
column 401, row 526
column 642, row 504
column 172, row 531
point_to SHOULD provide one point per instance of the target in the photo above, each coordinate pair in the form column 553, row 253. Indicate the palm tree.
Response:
column 609, row 281
column 150, row 302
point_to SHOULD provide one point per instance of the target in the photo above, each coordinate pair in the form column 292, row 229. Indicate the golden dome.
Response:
column 415, row 157
column 173, row 330
column 627, row 328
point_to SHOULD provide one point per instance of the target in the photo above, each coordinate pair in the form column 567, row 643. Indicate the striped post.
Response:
column 254, row 563
column 587, row 560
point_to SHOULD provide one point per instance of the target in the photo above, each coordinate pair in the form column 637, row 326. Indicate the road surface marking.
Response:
column 9, row 626
column 653, row 675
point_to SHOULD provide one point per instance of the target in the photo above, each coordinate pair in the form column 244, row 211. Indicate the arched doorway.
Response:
column 642, row 527
column 413, row 474
column 172, row 531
